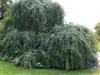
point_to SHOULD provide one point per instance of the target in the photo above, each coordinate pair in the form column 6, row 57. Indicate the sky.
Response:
column 84, row 12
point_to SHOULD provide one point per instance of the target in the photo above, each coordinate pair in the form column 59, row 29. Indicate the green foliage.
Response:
column 97, row 35
column 4, row 6
column 2, row 27
column 6, row 22
column 33, row 59
column 15, row 43
column 39, row 16
column 97, row 28
column 55, row 45
column 70, row 48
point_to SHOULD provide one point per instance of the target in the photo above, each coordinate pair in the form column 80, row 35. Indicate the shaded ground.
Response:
column 10, row 69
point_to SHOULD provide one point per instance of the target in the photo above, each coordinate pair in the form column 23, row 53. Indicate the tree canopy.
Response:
column 97, row 28
column 37, row 15
column 36, row 37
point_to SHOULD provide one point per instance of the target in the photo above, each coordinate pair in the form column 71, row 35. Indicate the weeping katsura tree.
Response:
column 36, row 37
column 37, row 15
column 71, row 47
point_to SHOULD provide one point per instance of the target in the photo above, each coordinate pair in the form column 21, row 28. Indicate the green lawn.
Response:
column 10, row 69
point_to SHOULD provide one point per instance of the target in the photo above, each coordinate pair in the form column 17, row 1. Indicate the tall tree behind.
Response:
column 4, row 5
column 97, row 28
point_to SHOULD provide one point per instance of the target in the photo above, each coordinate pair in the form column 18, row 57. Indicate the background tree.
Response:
column 97, row 28
column 97, row 33
column 4, row 5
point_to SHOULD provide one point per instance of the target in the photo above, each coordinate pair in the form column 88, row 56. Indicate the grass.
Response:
column 7, row 68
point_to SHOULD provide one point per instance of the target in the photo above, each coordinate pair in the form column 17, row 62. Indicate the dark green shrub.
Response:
column 70, row 48
column 15, row 43
column 33, row 59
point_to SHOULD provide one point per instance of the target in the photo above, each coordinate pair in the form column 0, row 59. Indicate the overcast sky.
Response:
column 85, row 12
